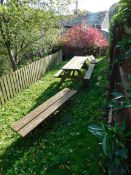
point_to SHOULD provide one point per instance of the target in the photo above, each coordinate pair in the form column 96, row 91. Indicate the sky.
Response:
column 94, row 5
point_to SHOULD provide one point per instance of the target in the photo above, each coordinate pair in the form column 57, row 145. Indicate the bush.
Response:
column 83, row 37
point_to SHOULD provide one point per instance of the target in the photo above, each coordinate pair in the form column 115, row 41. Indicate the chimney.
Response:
column 76, row 9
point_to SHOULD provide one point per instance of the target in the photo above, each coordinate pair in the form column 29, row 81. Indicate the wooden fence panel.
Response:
column 22, row 78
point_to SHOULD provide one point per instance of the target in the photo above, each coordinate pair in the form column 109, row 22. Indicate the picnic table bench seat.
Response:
column 38, row 115
column 88, row 75
column 92, row 59
column 58, row 73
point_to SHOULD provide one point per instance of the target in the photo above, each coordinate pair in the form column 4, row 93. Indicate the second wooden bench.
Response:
column 38, row 115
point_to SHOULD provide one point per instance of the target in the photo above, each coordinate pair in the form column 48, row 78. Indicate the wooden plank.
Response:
column 29, row 74
column 110, row 116
column 92, row 59
column 35, row 75
column 9, row 83
column 36, row 121
column 75, row 63
column 20, row 123
column 34, row 70
column 1, row 96
column 3, row 90
column 37, row 70
column 19, row 73
column 40, row 68
column 12, row 84
column 89, row 71
column 6, row 87
column 124, row 81
column 22, row 78
column 17, row 81
column 58, row 73
column 26, row 76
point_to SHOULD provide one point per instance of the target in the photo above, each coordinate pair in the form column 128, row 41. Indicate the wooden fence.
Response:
column 21, row 79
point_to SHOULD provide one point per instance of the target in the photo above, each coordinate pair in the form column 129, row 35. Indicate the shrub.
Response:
column 83, row 37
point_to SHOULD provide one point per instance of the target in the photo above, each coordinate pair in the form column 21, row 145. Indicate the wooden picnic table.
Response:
column 73, row 68
column 75, row 63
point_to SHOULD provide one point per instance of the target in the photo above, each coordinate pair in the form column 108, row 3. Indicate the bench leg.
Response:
column 85, row 83
column 62, row 80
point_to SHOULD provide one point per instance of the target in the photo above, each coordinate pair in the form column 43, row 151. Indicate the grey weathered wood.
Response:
column 45, row 114
column 92, row 59
column 22, row 122
column 89, row 72
column 58, row 73
column 88, row 75
column 75, row 63
column 22, row 78
column 124, row 81
column 50, row 105
column 110, row 116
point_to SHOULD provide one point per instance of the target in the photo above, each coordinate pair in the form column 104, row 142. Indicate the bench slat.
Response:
column 92, row 59
column 58, row 73
column 89, row 72
column 36, row 121
column 110, row 116
column 22, row 122
column 75, row 63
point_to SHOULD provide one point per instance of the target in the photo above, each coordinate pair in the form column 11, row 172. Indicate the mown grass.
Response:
column 62, row 145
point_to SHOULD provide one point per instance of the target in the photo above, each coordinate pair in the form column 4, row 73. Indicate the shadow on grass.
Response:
column 22, row 146
column 30, row 154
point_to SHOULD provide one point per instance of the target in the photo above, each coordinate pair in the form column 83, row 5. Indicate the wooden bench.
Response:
column 88, row 75
column 58, row 73
column 38, row 115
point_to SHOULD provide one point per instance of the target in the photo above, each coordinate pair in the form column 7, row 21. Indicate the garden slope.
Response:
column 62, row 145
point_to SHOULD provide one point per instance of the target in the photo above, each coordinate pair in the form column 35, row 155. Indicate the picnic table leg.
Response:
column 79, row 73
column 64, row 76
column 62, row 80
column 85, row 66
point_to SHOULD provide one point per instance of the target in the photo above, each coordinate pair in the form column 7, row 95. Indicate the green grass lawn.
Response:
column 62, row 145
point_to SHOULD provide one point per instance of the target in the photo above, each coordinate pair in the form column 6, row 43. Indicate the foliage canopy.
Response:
column 84, row 37
column 27, row 27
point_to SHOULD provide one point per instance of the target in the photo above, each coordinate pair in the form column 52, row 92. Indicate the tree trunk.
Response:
column 12, row 60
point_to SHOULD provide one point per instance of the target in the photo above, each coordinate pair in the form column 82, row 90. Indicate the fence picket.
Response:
column 21, row 79
column 8, row 79
column 1, row 96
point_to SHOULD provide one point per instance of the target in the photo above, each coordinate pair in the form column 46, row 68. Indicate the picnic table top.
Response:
column 75, row 63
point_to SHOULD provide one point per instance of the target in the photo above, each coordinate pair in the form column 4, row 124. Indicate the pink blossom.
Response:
column 84, row 37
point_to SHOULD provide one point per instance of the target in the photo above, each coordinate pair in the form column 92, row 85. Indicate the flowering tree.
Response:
column 83, row 37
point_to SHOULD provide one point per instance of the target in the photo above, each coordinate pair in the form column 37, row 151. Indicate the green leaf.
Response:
column 123, row 153
column 96, row 130
column 104, row 144
column 95, row 127
column 117, row 95
column 129, row 77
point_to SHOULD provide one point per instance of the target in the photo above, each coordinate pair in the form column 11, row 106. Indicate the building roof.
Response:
column 90, row 17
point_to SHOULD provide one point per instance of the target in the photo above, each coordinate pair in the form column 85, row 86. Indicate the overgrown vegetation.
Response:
column 120, row 22
column 62, row 145
column 116, row 135
column 114, row 141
